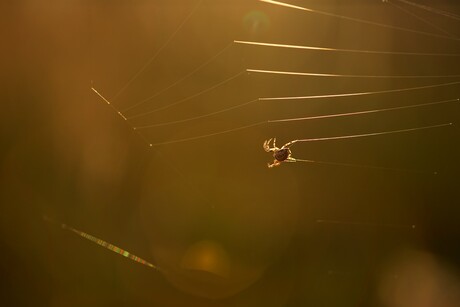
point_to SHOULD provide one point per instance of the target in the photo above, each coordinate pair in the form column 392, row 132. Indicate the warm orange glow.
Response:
column 208, row 256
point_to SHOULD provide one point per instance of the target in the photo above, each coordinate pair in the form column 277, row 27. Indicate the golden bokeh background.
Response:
column 223, row 228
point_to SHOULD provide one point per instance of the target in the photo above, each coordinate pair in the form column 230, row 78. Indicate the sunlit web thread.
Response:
column 197, row 117
column 315, row 97
column 320, row 139
column 121, row 115
column 432, row 10
column 363, row 112
column 141, row 70
column 108, row 102
column 208, row 135
column 302, row 140
column 354, row 136
column 360, row 93
column 315, row 48
column 297, row 118
column 313, row 74
column 208, row 89
column 420, row 18
column 283, row 4
column 141, row 135
column 266, row 122
column 103, row 243
column 367, row 135
column 210, row 60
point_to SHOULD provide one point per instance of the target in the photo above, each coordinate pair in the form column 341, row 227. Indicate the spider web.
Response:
column 212, row 93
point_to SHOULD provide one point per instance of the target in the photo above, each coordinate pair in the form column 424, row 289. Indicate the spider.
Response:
column 282, row 154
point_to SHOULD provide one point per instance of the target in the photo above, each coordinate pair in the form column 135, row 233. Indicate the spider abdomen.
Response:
column 282, row 154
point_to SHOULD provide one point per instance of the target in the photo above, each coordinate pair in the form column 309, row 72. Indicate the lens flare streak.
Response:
column 103, row 243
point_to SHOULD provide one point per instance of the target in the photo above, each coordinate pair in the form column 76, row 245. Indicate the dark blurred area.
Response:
column 224, row 229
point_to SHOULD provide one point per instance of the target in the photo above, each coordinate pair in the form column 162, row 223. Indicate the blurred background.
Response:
column 223, row 228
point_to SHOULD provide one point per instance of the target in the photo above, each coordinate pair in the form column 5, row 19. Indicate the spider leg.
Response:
column 290, row 159
column 267, row 145
column 274, row 142
column 275, row 163
column 289, row 144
